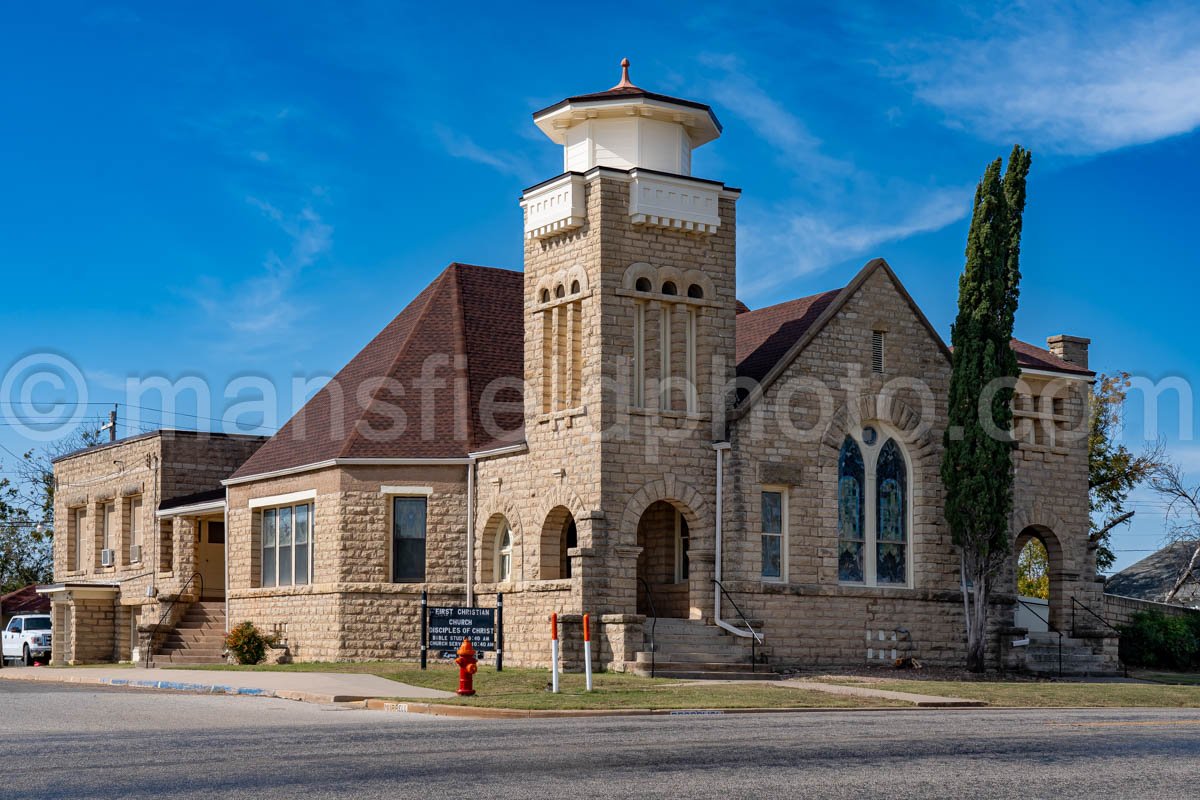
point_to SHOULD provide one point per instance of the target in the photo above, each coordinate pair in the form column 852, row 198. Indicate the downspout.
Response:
column 471, row 532
column 721, row 448
column 225, row 549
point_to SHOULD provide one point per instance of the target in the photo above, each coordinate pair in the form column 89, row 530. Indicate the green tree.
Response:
column 977, row 464
column 1113, row 471
column 25, row 548
column 1033, row 570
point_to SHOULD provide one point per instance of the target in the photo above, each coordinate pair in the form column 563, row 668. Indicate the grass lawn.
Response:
column 1047, row 693
column 1174, row 678
column 526, row 689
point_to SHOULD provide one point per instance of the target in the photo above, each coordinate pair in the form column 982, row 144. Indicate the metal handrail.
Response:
column 154, row 634
column 1076, row 602
column 755, row 638
column 654, row 624
column 1051, row 628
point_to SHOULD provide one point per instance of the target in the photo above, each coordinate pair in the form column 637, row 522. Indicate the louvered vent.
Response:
column 877, row 351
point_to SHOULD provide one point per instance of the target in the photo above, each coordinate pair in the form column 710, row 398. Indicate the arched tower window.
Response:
column 851, row 516
column 562, row 349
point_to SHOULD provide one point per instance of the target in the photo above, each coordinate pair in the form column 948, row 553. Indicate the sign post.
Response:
column 499, row 631
column 424, row 629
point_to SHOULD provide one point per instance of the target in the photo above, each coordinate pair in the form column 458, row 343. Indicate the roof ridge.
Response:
column 413, row 330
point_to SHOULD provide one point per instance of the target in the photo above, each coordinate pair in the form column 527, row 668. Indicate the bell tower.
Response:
column 629, row 319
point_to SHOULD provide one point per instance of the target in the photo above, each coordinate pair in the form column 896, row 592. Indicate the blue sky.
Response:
column 227, row 190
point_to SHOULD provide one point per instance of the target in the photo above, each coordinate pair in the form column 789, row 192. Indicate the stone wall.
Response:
column 1119, row 611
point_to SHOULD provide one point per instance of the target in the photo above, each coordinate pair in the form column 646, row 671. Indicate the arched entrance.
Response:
column 559, row 535
column 1037, row 572
column 663, row 567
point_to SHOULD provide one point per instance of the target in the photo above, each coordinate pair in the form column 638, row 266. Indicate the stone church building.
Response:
column 610, row 431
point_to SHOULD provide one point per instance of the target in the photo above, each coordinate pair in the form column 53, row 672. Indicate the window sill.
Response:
column 665, row 413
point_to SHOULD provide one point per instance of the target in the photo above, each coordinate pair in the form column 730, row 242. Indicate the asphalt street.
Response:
column 84, row 742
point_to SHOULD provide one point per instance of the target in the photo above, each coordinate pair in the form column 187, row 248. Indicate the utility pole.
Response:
column 111, row 427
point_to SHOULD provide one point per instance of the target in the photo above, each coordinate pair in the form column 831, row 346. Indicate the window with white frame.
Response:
column 683, row 541
column 504, row 553
column 135, row 530
column 693, row 398
column 873, row 511
column 665, row 312
column 774, row 534
column 287, row 534
column 408, row 539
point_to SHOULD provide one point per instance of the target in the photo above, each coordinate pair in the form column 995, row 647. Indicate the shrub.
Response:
column 1152, row 639
column 246, row 643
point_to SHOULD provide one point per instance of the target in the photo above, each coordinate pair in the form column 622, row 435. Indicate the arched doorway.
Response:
column 1037, row 573
column 663, row 567
column 559, row 535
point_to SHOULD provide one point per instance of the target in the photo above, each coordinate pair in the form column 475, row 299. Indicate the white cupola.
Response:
column 627, row 127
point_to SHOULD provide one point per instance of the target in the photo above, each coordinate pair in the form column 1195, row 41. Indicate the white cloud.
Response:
column 797, row 243
column 262, row 306
column 1078, row 80
column 732, row 88
column 460, row 145
column 848, row 213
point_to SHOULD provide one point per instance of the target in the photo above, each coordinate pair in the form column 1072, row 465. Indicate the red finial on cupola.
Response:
column 625, row 82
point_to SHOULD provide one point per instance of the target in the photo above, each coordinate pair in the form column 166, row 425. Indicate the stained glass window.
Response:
column 891, row 480
column 851, row 479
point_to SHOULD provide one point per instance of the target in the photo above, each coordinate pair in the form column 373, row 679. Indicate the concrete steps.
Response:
column 690, row 650
column 198, row 638
column 1084, row 657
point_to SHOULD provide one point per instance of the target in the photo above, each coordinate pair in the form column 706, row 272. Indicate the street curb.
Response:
column 473, row 712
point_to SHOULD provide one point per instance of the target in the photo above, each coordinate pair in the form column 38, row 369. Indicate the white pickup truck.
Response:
column 27, row 637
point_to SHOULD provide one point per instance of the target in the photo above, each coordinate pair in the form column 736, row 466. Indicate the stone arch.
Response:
column 915, row 433
column 1055, row 566
column 671, row 490
column 501, row 505
column 490, row 532
column 639, row 269
column 701, row 279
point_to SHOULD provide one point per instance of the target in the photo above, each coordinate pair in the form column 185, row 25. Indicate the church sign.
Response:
column 449, row 626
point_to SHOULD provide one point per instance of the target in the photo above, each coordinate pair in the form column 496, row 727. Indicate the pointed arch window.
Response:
column 873, row 512
column 851, row 519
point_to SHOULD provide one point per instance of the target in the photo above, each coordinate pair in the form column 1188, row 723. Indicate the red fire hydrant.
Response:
column 467, row 666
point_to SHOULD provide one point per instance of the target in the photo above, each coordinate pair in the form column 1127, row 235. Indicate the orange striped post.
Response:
column 587, row 649
column 554, row 653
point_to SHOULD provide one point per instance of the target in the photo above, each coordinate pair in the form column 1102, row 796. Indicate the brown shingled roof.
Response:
column 1030, row 356
column 25, row 600
column 766, row 334
column 463, row 331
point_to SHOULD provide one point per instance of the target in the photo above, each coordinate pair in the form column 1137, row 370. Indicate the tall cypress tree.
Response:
column 977, row 463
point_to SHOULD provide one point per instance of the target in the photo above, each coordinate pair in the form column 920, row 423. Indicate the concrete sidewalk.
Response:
column 312, row 687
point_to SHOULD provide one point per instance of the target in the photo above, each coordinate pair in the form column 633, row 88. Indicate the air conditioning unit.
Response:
column 107, row 558
column 135, row 553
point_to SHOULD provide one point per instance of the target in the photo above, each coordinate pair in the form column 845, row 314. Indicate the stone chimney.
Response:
column 1072, row 349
